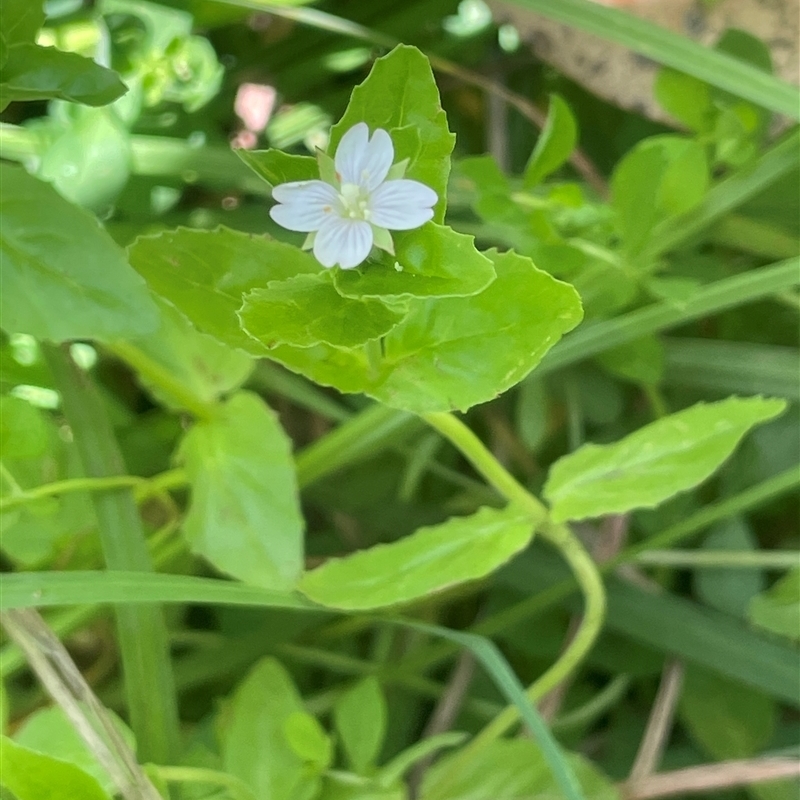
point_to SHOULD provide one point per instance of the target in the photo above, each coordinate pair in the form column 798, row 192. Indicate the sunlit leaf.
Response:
column 360, row 719
column 655, row 462
column 428, row 561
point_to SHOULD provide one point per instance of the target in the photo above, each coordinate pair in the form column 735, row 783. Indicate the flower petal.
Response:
column 402, row 205
column 303, row 205
column 363, row 161
column 350, row 152
column 345, row 242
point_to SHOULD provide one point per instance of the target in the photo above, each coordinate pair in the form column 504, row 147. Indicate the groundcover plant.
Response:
column 344, row 460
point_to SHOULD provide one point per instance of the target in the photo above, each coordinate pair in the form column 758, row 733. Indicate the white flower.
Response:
column 361, row 200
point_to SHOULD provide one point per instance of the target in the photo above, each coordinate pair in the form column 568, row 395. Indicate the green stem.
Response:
column 560, row 536
column 721, row 559
column 584, row 715
column 236, row 787
column 156, row 373
column 141, row 629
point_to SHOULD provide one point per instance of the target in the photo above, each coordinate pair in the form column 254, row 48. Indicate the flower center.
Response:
column 355, row 201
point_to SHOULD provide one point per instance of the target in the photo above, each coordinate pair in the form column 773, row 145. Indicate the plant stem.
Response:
column 721, row 559
column 560, row 536
column 142, row 631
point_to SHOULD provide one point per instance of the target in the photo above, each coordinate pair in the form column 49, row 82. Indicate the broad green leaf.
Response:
column 307, row 310
column 430, row 560
column 254, row 743
column 686, row 98
column 640, row 361
column 205, row 274
column 203, row 365
column 432, row 261
column 510, row 770
column 63, row 276
column 23, row 430
column 360, row 719
column 49, row 731
column 400, row 93
column 34, row 776
column 778, row 609
column 555, row 143
column 308, row 739
column 32, row 72
column 727, row 719
column 275, row 166
column 729, row 590
column 20, row 20
column 654, row 463
column 660, row 177
column 454, row 353
column 244, row 515
column 89, row 163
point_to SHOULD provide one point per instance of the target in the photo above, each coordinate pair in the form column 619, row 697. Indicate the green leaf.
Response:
column 685, row 98
column 662, row 176
column 50, row 732
column 276, row 167
column 655, row 462
column 729, row 590
column 554, row 145
column 89, row 163
column 203, row 366
column 778, row 609
column 254, row 743
column 673, row 50
column 244, row 515
column 308, row 739
column 430, row 560
column 510, row 770
column 455, row 352
column 307, row 310
column 34, row 776
column 727, row 719
column 205, row 274
column 431, row 261
column 400, row 92
column 360, row 719
column 41, row 589
column 640, row 361
column 23, row 430
column 63, row 276
column 43, row 73
column 21, row 20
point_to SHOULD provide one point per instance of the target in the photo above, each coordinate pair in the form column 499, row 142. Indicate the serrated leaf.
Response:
column 457, row 352
column 34, row 776
column 360, row 719
column 431, row 261
column 63, row 276
column 778, row 609
column 254, row 743
column 31, row 72
column 555, row 143
column 656, row 462
column 205, row 274
column 429, row 561
column 244, row 515
column 306, row 310
column 399, row 92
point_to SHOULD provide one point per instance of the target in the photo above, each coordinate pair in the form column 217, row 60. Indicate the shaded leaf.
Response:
column 34, row 776
column 20, row 20
column 63, row 276
column 360, row 719
column 778, row 609
column 428, row 561
column 244, row 515
column 655, row 462
column 276, row 167
column 555, row 143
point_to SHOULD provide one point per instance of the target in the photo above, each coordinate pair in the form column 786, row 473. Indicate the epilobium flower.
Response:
column 360, row 199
